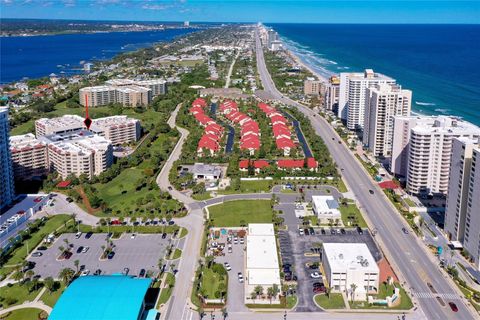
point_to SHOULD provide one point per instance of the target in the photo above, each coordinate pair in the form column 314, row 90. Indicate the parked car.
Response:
column 301, row 232
column 322, row 231
column 359, row 230
column 133, row 236
column 78, row 235
column 315, row 275
column 342, row 231
column 97, row 272
column 306, row 231
column 332, row 231
column 88, row 235
column 79, row 249
column 142, row 273
column 37, row 254
column 240, row 277
column 312, row 231
column 405, row 231
column 371, row 191
column 69, row 200
column 68, row 255
column 85, row 249
column 110, row 255
column 227, row 266
column 171, row 222
column 85, row 273
column 126, row 271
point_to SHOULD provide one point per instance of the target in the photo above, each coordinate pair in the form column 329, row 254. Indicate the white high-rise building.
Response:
column 351, row 100
column 422, row 149
column 472, row 220
column 7, row 192
column 459, row 187
column 383, row 102
column 332, row 91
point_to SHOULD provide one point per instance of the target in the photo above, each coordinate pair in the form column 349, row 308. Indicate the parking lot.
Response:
column 141, row 252
column 236, row 290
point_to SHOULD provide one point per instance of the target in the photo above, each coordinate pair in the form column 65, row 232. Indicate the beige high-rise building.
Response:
column 78, row 153
column 125, row 91
column 29, row 156
column 311, row 86
column 117, row 129
column 459, row 187
column 383, row 102
column 133, row 96
column 97, row 96
column 422, row 149
column 332, row 92
column 472, row 220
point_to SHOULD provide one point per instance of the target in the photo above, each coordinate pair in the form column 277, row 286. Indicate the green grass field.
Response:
column 383, row 291
column 211, row 282
column 252, row 186
column 235, row 213
column 335, row 301
column 23, row 314
column 18, row 292
column 351, row 210
column 50, row 298
column 167, row 291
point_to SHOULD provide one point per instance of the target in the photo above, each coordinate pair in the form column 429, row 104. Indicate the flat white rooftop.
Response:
column 261, row 252
column 349, row 256
column 261, row 229
column 263, row 276
column 325, row 204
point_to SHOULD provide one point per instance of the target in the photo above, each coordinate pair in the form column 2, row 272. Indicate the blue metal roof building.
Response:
column 115, row 297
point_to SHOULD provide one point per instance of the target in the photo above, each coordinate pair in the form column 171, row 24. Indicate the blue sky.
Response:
column 320, row 11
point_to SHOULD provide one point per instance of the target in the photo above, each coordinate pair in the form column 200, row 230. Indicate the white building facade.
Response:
column 351, row 99
column 326, row 208
column 383, row 103
column 350, row 263
column 422, row 150
column 29, row 156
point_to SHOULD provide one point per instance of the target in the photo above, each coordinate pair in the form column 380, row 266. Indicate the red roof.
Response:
column 278, row 118
column 243, row 164
column 199, row 102
column 196, row 109
column 203, row 119
column 257, row 164
column 252, row 143
column 283, row 143
column 311, row 163
column 388, row 185
column 214, row 128
column 208, row 143
column 64, row 184
column 288, row 163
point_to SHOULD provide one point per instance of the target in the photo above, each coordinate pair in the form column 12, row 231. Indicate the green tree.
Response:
column 353, row 286
column 66, row 274
column 49, row 284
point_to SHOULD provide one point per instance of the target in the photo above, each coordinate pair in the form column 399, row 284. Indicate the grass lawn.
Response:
column 211, row 282
column 19, row 255
column 50, row 298
column 202, row 196
column 183, row 233
column 176, row 254
column 288, row 303
column 17, row 292
column 351, row 210
column 335, row 301
column 384, row 291
column 409, row 202
column 234, row 213
column 167, row 291
column 252, row 186
column 129, row 229
column 23, row 314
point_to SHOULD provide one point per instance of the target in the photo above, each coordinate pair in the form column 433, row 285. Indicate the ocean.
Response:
column 39, row 56
column 439, row 63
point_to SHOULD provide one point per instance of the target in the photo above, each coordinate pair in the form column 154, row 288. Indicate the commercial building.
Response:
column 312, row 86
column 351, row 100
column 462, row 220
column 125, row 91
column 103, row 298
column 272, row 36
column 350, row 263
column 60, row 125
column 78, row 153
column 7, row 192
column 207, row 172
column 117, row 129
column 326, row 208
column 332, row 92
column 422, row 149
column 29, row 156
column 262, row 267
column 383, row 103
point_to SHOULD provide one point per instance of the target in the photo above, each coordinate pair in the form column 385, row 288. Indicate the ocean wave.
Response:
column 424, row 103
column 444, row 111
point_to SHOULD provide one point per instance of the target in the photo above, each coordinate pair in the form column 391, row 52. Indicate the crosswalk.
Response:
column 430, row 295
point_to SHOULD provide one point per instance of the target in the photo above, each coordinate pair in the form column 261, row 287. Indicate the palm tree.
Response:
column 66, row 274
column 353, row 286
column 160, row 264
column 76, row 263
column 29, row 274
column 270, row 294
column 258, row 290
column 18, row 275
column 49, row 284
column 329, row 290
column 275, row 290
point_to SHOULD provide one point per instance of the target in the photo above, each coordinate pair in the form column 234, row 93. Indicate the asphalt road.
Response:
column 405, row 252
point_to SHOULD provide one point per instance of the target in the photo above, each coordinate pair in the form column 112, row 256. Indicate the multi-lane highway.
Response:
column 407, row 254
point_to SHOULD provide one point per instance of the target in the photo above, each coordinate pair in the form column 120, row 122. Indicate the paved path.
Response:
column 229, row 75
column 62, row 206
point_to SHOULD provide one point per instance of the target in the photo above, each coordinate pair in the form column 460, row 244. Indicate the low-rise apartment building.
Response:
column 422, row 149
column 60, row 125
column 29, row 156
column 350, row 263
column 312, row 86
